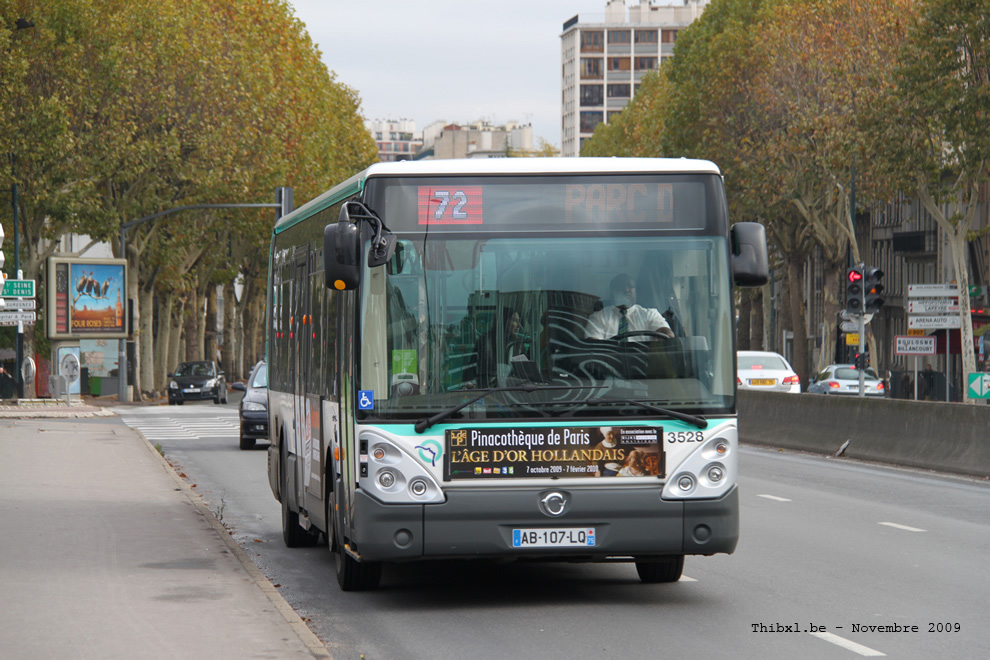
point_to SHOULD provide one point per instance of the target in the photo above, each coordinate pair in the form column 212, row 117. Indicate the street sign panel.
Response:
column 934, row 322
column 18, row 303
column 933, row 291
column 933, row 306
column 979, row 386
column 908, row 345
column 12, row 318
column 18, row 289
column 849, row 326
column 852, row 339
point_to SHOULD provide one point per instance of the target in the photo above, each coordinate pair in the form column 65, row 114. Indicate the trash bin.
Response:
column 96, row 385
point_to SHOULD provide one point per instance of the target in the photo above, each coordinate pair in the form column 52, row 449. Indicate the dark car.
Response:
column 195, row 381
column 254, row 406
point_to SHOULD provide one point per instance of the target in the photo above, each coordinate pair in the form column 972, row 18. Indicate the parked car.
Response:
column 254, row 406
column 766, row 371
column 844, row 379
column 195, row 381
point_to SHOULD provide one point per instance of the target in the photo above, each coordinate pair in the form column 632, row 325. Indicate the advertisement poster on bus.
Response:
column 89, row 299
column 596, row 451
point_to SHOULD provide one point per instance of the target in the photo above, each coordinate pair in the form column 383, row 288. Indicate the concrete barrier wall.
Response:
column 949, row 437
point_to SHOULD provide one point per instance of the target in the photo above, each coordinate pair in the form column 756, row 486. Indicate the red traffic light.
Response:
column 854, row 275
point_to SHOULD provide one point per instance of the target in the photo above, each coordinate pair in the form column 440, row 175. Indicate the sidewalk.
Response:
column 106, row 553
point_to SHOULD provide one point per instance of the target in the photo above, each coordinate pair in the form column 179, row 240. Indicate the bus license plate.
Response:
column 762, row 381
column 553, row 537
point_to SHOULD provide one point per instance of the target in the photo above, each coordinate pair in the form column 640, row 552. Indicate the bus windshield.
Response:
column 593, row 321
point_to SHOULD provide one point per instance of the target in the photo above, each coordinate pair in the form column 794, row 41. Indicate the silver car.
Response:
column 767, row 371
column 844, row 379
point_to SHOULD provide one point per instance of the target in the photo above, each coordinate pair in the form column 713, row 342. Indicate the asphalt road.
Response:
column 836, row 560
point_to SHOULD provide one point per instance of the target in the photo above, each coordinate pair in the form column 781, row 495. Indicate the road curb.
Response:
column 308, row 638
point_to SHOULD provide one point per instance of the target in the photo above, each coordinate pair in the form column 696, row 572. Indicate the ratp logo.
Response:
column 430, row 451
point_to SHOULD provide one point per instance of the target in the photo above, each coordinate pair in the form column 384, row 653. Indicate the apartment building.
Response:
column 482, row 140
column 604, row 58
column 396, row 139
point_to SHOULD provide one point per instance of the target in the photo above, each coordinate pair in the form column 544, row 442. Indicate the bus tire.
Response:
column 664, row 569
column 352, row 575
column 293, row 533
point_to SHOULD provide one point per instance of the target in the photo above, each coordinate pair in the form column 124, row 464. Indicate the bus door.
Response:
column 299, row 362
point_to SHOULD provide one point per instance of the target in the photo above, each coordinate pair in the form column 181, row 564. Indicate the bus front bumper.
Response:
column 479, row 523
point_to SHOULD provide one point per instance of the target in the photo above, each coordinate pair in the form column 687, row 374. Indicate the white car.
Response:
column 844, row 379
column 765, row 371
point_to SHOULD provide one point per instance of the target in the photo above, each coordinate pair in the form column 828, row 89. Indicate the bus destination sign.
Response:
column 499, row 453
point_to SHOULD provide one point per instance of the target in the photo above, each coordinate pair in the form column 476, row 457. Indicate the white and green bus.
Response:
column 443, row 382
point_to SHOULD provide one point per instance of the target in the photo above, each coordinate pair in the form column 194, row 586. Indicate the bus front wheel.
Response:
column 352, row 575
column 663, row 569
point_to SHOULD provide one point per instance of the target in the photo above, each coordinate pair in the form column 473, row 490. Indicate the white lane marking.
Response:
column 904, row 527
column 775, row 498
column 685, row 578
column 847, row 644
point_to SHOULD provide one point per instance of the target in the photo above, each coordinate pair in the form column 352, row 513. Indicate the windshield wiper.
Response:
column 427, row 422
column 695, row 420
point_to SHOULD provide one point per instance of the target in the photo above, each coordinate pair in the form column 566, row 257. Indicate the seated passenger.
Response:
column 624, row 315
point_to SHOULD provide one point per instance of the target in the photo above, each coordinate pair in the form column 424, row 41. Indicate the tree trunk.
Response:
column 756, row 333
column 210, row 325
column 743, row 324
column 146, row 340
column 166, row 302
column 193, row 343
column 800, row 363
column 230, row 342
column 175, row 320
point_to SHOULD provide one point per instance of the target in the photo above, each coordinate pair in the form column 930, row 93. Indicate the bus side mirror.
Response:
column 342, row 256
column 750, row 265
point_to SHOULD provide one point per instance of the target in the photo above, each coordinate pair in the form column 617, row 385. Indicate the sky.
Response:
column 459, row 62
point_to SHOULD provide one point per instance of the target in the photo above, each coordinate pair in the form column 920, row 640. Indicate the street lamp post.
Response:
column 282, row 206
column 20, row 24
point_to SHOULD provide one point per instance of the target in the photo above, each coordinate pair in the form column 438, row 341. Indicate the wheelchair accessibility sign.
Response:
column 366, row 399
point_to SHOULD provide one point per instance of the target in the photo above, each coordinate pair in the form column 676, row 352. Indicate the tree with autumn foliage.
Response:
column 119, row 110
column 929, row 128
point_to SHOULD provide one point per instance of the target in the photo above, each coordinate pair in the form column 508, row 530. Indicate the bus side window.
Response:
column 330, row 342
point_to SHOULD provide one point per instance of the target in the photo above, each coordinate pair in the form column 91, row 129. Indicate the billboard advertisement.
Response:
column 87, row 298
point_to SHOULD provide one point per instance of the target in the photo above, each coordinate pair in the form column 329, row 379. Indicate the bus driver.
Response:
column 624, row 315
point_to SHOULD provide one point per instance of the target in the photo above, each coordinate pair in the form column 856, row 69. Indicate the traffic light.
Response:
column 872, row 288
column 854, row 291
column 862, row 360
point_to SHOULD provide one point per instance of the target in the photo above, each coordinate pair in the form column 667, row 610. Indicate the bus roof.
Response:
column 472, row 166
column 496, row 166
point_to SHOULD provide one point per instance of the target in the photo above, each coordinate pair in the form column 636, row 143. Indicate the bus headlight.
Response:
column 394, row 474
column 386, row 479
column 710, row 471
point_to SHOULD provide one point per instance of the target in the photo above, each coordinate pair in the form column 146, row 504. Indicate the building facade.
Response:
column 482, row 140
column 604, row 59
column 396, row 139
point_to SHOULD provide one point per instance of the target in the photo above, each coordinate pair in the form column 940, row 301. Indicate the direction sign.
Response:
column 933, row 306
column 13, row 318
column 979, row 386
column 18, row 303
column 934, row 322
column 933, row 291
column 908, row 345
column 849, row 326
column 18, row 289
